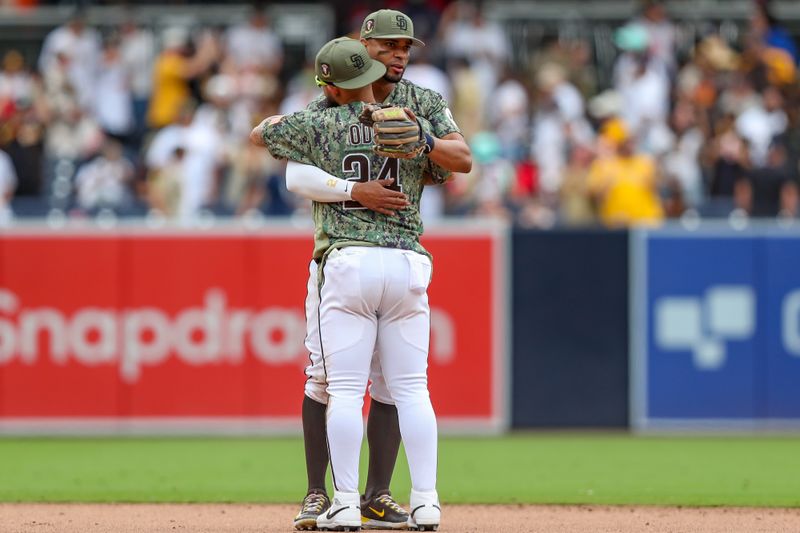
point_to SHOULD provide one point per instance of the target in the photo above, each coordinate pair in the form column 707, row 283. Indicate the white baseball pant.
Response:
column 374, row 300
column 316, row 386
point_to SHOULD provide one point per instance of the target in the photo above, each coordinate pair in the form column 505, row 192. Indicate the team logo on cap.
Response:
column 326, row 69
column 402, row 23
column 357, row 61
column 369, row 26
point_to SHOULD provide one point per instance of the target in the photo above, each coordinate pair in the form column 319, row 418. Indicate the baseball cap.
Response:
column 345, row 63
column 389, row 24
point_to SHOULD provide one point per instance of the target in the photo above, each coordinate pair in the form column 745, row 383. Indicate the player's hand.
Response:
column 396, row 131
column 376, row 196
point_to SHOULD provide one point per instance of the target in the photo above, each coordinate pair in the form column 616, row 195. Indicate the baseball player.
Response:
column 388, row 36
column 373, row 275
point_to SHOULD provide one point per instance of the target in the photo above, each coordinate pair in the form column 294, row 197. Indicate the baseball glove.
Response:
column 395, row 133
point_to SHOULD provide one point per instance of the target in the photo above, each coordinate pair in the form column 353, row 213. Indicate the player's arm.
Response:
column 451, row 152
column 315, row 184
column 257, row 136
column 448, row 149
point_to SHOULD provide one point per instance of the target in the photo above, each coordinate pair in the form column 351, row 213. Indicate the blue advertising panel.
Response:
column 715, row 328
column 782, row 324
column 701, row 325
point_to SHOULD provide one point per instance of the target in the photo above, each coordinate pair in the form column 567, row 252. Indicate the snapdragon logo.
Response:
column 146, row 336
column 704, row 325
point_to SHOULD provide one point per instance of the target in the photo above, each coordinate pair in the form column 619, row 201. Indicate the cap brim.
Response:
column 414, row 41
column 374, row 73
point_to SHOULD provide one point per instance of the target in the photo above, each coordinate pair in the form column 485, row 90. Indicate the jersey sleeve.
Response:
column 290, row 138
column 439, row 115
column 438, row 174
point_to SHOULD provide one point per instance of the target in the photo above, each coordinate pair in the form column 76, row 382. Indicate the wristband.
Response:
column 429, row 144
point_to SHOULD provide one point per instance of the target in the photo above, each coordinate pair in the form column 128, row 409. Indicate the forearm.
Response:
column 315, row 184
column 452, row 153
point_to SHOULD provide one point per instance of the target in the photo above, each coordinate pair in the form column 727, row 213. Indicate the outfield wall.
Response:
column 171, row 330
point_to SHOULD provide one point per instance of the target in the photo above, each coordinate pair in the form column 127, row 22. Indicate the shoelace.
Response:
column 391, row 504
column 314, row 502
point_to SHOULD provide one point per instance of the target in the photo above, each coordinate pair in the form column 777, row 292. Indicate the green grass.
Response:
column 526, row 468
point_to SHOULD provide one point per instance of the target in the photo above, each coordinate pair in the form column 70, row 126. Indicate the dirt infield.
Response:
column 140, row 518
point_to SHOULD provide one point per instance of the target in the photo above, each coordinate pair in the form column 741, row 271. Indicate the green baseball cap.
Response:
column 389, row 24
column 345, row 63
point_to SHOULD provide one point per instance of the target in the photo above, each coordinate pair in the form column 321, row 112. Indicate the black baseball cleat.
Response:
column 382, row 512
column 314, row 504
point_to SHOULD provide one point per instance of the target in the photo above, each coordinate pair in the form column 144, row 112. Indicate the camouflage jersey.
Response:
column 335, row 141
column 423, row 102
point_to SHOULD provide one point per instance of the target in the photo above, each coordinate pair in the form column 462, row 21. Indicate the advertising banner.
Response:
column 715, row 324
column 182, row 331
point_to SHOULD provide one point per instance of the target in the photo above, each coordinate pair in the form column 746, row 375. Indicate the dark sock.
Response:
column 383, row 435
column 316, row 444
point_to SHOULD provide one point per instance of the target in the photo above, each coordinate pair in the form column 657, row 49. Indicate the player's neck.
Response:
column 382, row 89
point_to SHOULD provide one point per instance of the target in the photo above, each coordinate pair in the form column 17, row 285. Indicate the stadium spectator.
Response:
column 642, row 81
column 137, row 48
column 574, row 198
column 760, row 122
column 466, row 33
column 199, row 137
column 681, row 160
column 467, row 98
column 164, row 183
column 75, row 48
column 494, row 178
column 774, row 185
column 510, row 116
column 660, row 32
column 113, row 105
column 17, row 85
column 72, row 137
column 175, row 67
column 422, row 72
column 624, row 185
column 253, row 45
column 105, row 181
column 558, row 122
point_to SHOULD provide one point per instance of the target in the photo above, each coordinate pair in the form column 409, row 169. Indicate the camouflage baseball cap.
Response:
column 345, row 63
column 389, row 24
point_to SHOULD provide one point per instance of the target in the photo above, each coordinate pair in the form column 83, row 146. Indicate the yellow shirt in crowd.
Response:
column 170, row 90
column 626, row 189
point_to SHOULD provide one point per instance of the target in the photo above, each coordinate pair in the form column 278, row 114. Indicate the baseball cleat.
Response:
column 382, row 512
column 344, row 514
column 426, row 513
column 314, row 504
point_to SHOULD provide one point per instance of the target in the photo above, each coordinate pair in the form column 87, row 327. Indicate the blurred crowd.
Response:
column 134, row 121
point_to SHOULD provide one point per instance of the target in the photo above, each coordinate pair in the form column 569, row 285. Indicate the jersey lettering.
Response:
column 360, row 165
column 359, row 134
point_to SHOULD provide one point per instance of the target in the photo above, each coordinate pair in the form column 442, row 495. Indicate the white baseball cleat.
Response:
column 426, row 513
column 344, row 514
